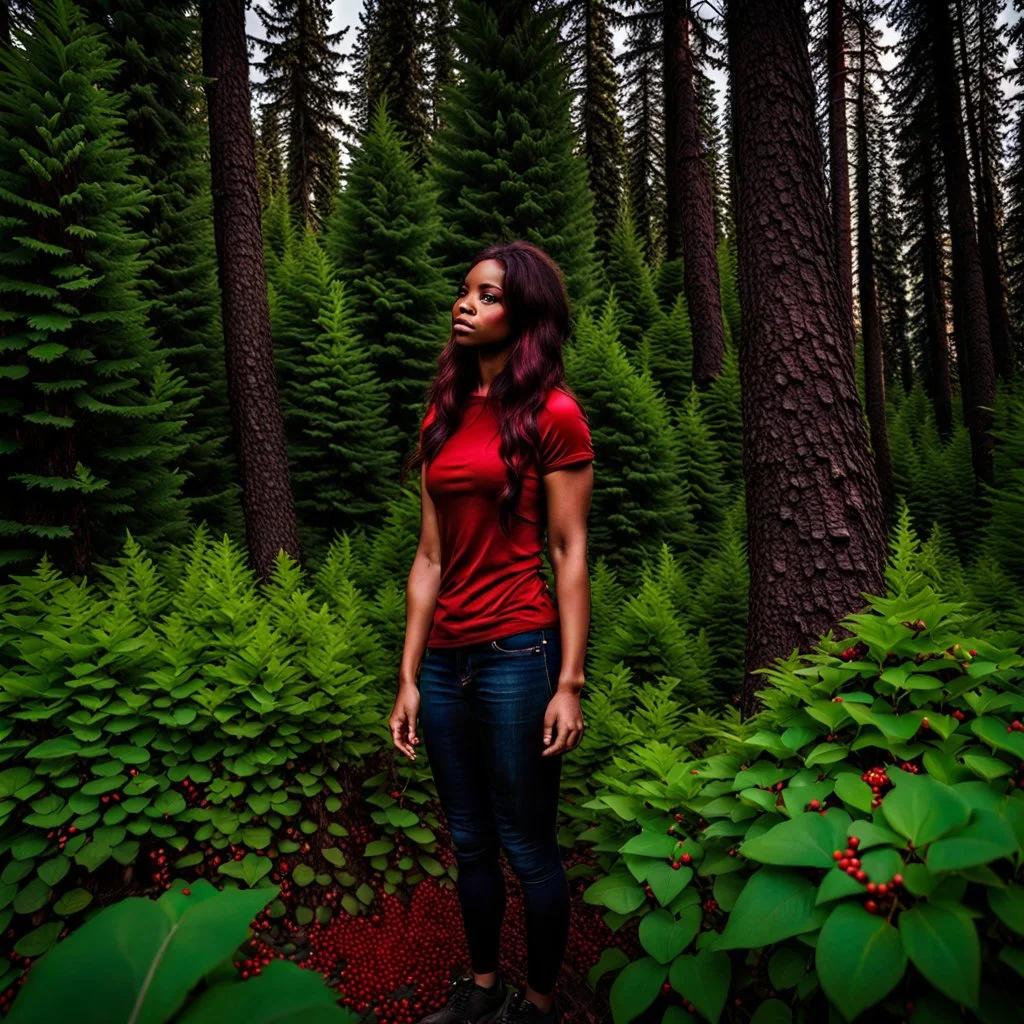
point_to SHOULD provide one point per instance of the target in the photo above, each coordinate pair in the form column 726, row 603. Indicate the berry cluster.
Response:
column 1015, row 726
column 910, row 769
column 877, row 779
column 880, row 894
column 62, row 837
column 858, row 650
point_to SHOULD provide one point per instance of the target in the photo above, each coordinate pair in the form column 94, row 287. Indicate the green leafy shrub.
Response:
column 183, row 719
column 856, row 846
column 144, row 960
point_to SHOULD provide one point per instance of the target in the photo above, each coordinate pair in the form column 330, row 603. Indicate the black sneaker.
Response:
column 469, row 1002
column 517, row 1009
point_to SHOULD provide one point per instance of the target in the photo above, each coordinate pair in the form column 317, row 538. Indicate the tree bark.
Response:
column 936, row 336
column 839, row 167
column 700, row 263
column 816, row 534
column 985, row 200
column 968, row 281
column 256, row 420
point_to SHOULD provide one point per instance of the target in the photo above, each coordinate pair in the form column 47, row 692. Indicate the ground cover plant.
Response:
column 855, row 849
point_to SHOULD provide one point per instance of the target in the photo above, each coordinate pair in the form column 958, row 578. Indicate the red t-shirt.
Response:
column 492, row 584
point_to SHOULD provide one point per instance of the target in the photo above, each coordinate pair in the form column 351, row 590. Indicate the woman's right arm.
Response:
column 422, row 589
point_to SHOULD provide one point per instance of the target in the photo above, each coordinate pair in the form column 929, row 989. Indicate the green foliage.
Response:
column 144, row 960
column 641, row 502
column 871, row 816
column 504, row 160
column 378, row 239
column 92, row 415
column 343, row 451
column 630, row 276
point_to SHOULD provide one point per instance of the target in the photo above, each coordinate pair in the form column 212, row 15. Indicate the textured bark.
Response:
column 700, row 264
column 936, row 338
column 988, row 232
column 870, row 320
column 968, row 282
column 256, row 419
column 839, row 167
column 816, row 534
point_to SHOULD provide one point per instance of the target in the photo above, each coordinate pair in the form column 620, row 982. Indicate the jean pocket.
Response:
column 517, row 644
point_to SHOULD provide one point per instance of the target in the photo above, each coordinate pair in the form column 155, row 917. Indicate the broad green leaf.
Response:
column 144, row 956
column 1008, row 905
column 871, row 834
column 987, row 768
column 774, row 905
column 703, row 980
column 283, row 994
column 853, row 790
column 618, row 892
column 665, row 935
column 667, row 882
column 805, row 841
column 992, row 731
column 985, row 839
column 787, row 966
column 922, row 809
column 635, row 987
column 859, row 958
column 650, row 844
column 942, row 942
column 772, row 1011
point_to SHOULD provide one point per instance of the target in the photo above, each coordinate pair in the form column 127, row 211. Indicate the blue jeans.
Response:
column 482, row 722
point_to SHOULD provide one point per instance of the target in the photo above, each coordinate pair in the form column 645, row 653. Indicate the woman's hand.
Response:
column 563, row 723
column 403, row 719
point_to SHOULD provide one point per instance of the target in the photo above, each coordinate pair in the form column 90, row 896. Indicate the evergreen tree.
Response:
column 300, row 83
column 343, row 452
column 92, row 419
column 504, row 164
column 389, row 64
column 639, row 499
column 645, row 150
column 163, row 111
column 629, row 274
column 584, row 26
column 269, row 161
column 378, row 239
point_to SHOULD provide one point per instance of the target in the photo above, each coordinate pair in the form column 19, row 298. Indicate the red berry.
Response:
column 815, row 805
column 854, row 841
column 897, row 879
column 861, row 876
column 837, row 855
column 871, row 906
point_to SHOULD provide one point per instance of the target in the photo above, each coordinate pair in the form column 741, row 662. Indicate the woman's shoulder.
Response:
column 559, row 404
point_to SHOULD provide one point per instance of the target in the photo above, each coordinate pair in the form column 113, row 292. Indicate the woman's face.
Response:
column 480, row 302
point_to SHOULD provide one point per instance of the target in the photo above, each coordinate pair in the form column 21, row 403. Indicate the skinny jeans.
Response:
column 482, row 723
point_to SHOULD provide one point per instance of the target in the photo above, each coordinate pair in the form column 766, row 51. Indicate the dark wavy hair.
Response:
column 538, row 311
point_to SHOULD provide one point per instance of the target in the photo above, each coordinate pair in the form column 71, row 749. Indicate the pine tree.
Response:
column 378, row 239
column 90, row 407
column 164, row 123
column 645, row 150
column 504, row 166
column 639, row 501
column 629, row 274
column 343, row 452
column 269, row 161
column 442, row 58
column 923, row 190
column 584, row 26
column 300, row 69
column 389, row 64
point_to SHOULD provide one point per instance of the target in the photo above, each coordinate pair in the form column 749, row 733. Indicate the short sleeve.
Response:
column 564, row 433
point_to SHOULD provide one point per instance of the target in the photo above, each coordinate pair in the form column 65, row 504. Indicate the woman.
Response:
column 506, row 451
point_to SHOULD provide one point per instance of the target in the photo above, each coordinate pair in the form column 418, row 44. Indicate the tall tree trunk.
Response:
column 816, row 533
column 968, row 280
column 936, row 337
column 674, row 42
column 870, row 320
column 700, row 263
column 985, row 199
column 256, row 420
column 839, row 167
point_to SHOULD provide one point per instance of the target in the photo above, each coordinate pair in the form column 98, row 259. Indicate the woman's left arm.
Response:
column 568, row 493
